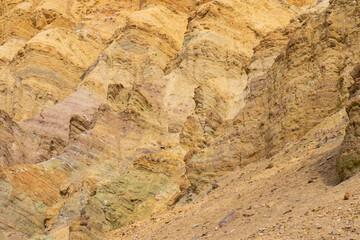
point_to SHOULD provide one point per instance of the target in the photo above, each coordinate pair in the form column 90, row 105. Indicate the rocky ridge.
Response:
column 148, row 115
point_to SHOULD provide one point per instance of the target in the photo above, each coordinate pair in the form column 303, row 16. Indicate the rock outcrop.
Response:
column 308, row 64
column 349, row 161
column 11, row 149
column 113, row 112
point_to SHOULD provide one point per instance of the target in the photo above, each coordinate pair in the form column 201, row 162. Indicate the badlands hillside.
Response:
column 179, row 119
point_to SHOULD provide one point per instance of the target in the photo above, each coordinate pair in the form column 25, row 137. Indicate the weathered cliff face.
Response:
column 348, row 164
column 297, row 78
column 114, row 111
column 11, row 149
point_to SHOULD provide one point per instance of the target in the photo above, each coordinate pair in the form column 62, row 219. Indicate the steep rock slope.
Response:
column 294, row 121
column 125, row 109
column 102, row 149
column 348, row 163
column 291, row 195
column 307, row 82
column 47, row 46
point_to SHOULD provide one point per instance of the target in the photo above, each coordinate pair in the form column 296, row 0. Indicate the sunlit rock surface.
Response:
column 116, row 112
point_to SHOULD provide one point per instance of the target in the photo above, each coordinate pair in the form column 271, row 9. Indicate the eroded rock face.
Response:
column 46, row 70
column 349, row 161
column 11, row 150
column 113, row 111
column 297, row 78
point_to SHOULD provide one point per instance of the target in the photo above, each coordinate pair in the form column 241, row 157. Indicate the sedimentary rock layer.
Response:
column 112, row 111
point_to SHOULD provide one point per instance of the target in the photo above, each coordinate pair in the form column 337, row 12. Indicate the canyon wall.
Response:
column 114, row 111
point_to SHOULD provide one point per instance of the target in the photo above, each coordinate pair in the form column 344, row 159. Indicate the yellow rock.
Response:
column 112, row 111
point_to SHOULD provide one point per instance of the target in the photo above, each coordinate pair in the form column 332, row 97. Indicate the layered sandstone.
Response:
column 113, row 112
column 308, row 65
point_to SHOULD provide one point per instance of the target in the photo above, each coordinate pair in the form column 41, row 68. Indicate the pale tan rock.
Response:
column 45, row 71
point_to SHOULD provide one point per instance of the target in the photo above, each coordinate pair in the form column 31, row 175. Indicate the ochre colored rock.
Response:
column 309, row 66
column 349, row 161
column 113, row 112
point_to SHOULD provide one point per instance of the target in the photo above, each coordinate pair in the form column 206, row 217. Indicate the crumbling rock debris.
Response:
column 347, row 195
column 227, row 219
